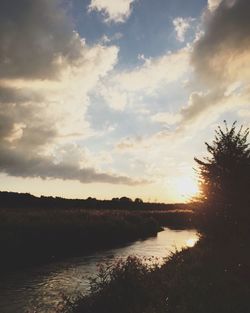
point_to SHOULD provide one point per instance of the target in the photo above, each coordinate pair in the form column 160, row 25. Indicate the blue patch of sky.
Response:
column 148, row 30
column 130, row 122
column 127, row 122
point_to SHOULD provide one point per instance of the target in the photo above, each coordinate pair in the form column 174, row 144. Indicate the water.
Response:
column 40, row 289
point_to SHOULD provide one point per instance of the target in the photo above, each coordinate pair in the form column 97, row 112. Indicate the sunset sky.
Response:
column 111, row 98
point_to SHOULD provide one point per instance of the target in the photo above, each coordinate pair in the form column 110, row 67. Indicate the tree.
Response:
column 138, row 201
column 225, row 173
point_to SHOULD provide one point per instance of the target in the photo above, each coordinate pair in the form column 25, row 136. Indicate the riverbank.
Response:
column 30, row 237
column 40, row 289
column 212, row 277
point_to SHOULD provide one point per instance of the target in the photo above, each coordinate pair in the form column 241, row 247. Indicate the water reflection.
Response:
column 191, row 241
column 41, row 289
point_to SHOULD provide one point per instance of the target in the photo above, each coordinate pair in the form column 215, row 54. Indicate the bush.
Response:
column 208, row 278
column 125, row 286
column 225, row 175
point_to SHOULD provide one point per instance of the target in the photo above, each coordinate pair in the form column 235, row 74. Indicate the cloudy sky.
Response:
column 107, row 98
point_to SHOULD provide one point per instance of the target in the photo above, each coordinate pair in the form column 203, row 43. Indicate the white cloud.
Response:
column 43, row 107
column 181, row 26
column 155, row 72
column 116, row 11
column 166, row 118
column 65, row 101
column 107, row 39
column 125, row 88
column 213, row 4
column 116, row 99
column 36, row 129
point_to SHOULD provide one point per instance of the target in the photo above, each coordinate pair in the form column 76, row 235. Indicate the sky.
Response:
column 111, row 98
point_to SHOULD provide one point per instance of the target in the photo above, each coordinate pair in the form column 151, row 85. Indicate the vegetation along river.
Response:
column 40, row 289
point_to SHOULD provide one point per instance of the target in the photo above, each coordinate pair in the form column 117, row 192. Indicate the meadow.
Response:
column 33, row 236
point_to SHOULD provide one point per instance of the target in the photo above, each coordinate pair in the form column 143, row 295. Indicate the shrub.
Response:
column 225, row 174
column 124, row 286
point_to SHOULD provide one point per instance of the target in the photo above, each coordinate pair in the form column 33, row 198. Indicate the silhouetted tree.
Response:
column 125, row 200
column 138, row 201
column 225, row 173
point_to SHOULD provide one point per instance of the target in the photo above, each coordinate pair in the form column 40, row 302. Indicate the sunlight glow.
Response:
column 191, row 242
column 186, row 187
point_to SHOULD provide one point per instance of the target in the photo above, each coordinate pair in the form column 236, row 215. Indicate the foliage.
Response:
column 209, row 278
column 26, row 200
column 124, row 286
column 225, row 173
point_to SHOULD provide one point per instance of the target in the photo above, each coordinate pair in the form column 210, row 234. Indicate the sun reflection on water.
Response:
column 190, row 242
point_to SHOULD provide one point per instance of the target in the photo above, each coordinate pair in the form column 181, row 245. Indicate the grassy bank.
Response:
column 212, row 277
column 29, row 237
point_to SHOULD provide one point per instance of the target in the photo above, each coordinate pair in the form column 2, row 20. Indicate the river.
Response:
column 40, row 289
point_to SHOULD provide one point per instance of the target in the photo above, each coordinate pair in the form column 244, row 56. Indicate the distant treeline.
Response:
column 26, row 200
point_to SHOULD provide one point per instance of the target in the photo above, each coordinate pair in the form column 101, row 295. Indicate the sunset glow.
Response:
column 186, row 187
column 191, row 241
column 115, row 98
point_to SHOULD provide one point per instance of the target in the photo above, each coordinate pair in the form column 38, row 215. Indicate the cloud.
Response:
column 129, row 143
column 125, row 87
column 147, row 142
column 156, row 72
column 36, row 39
column 24, row 154
column 181, row 26
column 46, row 74
column 221, row 59
column 11, row 94
column 198, row 104
column 117, row 11
column 116, row 99
column 107, row 39
column 201, row 110
column 222, row 54
column 61, row 105
column 205, row 107
column 18, row 164
column 213, row 4
column 166, row 118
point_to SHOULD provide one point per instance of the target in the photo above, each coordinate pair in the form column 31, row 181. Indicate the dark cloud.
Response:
column 36, row 131
column 199, row 104
column 17, row 95
column 36, row 39
column 220, row 58
column 16, row 163
column 226, row 40
column 37, row 42
column 24, row 135
column 22, row 154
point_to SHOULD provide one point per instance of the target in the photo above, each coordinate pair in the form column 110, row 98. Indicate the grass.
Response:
column 29, row 237
column 209, row 278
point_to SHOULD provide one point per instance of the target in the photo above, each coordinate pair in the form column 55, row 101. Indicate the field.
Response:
column 32, row 236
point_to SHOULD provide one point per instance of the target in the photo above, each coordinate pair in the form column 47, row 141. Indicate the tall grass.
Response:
column 209, row 278
column 29, row 236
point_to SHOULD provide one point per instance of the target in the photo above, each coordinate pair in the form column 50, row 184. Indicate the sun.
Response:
column 186, row 187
